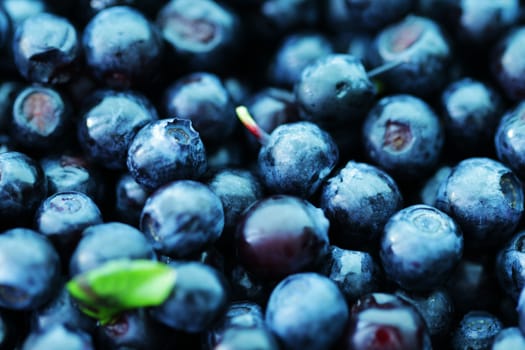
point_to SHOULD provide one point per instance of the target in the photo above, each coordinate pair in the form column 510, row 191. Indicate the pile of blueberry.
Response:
column 262, row 174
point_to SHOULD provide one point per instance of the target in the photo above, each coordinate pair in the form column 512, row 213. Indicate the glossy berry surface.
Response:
column 420, row 247
column 122, row 47
column 46, row 49
column 30, row 269
column 201, row 298
column 164, row 151
column 110, row 121
column 487, row 210
column 108, row 241
column 509, row 139
column 130, row 198
column 476, row 330
column 333, row 91
column 358, row 201
column 203, row 99
column 300, row 323
column 356, row 273
column 292, row 241
column 403, row 135
column 509, row 338
column 315, row 156
column 420, row 44
column 510, row 266
column 22, row 186
column 182, row 218
column 384, row 321
column 471, row 111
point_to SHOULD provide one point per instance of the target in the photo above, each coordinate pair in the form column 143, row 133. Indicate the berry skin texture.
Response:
column 58, row 336
column 333, row 91
column 509, row 139
column 485, row 198
column 297, row 159
column 476, row 330
column 199, row 299
column 46, row 48
column 281, row 235
column 509, row 338
column 122, row 48
column 403, row 136
column 166, row 150
column 358, row 201
column 510, row 266
column 110, row 121
column 306, row 311
column 420, row 44
column 420, row 247
column 182, row 218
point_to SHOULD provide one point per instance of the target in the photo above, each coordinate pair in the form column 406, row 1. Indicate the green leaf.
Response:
column 121, row 285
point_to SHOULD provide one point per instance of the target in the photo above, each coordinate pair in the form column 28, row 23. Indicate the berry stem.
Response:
column 383, row 68
column 250, row 124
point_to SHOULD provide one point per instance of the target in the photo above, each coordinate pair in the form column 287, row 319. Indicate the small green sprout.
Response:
column 119, row 285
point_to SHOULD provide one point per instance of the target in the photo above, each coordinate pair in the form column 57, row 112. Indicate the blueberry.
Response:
column 30, row 270
column 333, row 91
column 476, row 330
column 485, row 198
column 65, row 172
column 471, row 111
column 23, row 186
column 41, row 118
column 203, row 35
column 295, row 53
column 358, row 201
column 306, row 311
column 357, row 15
column 58, row 336
column 130, row 198
column 61, row 310
column 19, row 10
column 509, row 139
column 270, row 108
column 108, row 241
column 164, row 151
column 385, row 321
column 420, row 44
column 9, row 90
column 241, row 315
column 510, row 266
column 237, row 190
column 436, row 308
column 315, row 155
column 199, row 299
column 403, row 136
column 477, row 22
column 281, row 235
column 420, row 247
column 356, row 273
column 507, row 64
column 109, row 123
column 63, row 216
column 182, row 218
column 122, row 47
column 509, row 338
column 131, row 330
column 429, row 190
column 46, row 49
column 203, row 99
column 5, row 28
